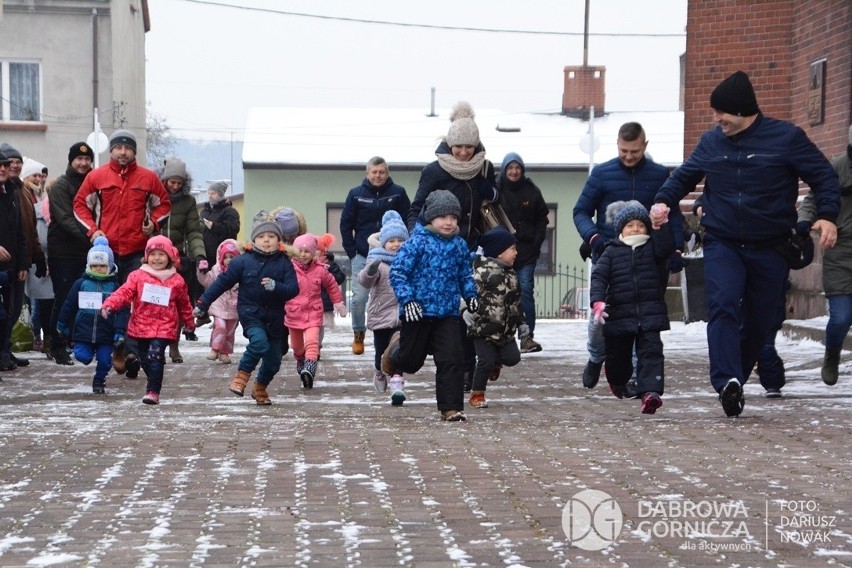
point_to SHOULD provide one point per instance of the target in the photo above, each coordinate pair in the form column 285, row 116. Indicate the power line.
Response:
column 430, row 26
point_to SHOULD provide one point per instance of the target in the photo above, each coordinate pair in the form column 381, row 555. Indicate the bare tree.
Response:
column 159, row 138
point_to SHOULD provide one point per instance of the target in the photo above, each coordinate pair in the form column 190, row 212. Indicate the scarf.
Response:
column 163, row 275
column 381, row 254
column 462, row 170
column 634, row 241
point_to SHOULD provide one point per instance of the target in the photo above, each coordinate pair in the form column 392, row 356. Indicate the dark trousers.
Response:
column 489, row 355
column 743, row 289
column 381, row 340
column 152, row 357
column 264, row 349
column 442, row 339
column 770, row 366
column 649, row 360
column 63, row 273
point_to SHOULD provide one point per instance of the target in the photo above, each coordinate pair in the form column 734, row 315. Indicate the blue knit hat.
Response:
column 392, row 228
column 495, row 241
column 101, row 254
column 287, row 222
column 619, row 213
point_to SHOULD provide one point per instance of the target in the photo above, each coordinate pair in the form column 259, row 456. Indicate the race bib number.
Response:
column 90, row 300
column 154, row 294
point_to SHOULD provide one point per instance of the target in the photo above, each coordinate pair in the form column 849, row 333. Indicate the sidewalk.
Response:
column 337, row 477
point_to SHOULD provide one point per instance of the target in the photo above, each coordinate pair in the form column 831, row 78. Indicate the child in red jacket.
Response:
column 159, row 301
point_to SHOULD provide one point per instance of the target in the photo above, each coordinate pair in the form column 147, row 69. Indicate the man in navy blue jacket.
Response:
column 752, row 165
column 361, row 217
column 630, row 176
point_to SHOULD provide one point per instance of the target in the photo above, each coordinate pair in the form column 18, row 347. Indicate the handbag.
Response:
column 22, row 332
column 491, row 215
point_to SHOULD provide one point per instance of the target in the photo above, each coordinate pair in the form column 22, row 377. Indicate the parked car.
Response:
column 575, row 303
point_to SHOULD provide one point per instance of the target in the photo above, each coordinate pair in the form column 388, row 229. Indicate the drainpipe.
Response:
column 94, row 57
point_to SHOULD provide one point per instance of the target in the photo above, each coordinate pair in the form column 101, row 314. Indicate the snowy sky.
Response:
column 209, row 61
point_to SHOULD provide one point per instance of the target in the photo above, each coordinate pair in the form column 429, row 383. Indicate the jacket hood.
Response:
column 512, row 157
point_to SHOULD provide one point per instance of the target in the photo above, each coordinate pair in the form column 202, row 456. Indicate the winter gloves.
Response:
column 268, row 284
column 600, row 314
column 190, row 335
column 675, row 263
column 472, row 304
column 373, row 268
column 340, row 309
column 202, row 265
column 198, row 312
column 413, row 311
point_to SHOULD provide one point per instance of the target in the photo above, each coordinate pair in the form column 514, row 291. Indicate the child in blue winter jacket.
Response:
column 267, row 279
column 430, row 275
column 80, row 318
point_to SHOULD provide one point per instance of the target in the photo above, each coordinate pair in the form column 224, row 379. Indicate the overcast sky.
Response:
column 209, row 61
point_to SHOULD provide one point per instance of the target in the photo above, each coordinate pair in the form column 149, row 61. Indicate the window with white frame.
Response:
column 20, row 90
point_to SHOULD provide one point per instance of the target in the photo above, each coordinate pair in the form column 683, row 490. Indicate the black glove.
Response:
column 413, row 311
column 472, row 304
column 675, row 263
column 485, row 189
column 41, row 268
column 598, row 244
column 803, row 228
column 190, row 336
column 585, row 251
column 373, row 268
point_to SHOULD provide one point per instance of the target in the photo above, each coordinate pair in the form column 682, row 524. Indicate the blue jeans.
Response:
column 358, row 304
column 264, row 350
column 86, row 352
column 595, row 344
column 526, row 281
column 839, row 320
column 152, row 356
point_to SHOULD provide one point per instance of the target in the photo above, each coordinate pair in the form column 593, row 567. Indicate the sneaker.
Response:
column 495, row 373
column 380, row 381
column 529, row 345
column 387, row 357
column 477, row 400
column 773, row 393
column 213, row 355
column 38, row 345
column 651, row 401
column 151, row 398
column 453, row 416
column 732, row 398
column 132, row 365
column 631, row 389
column 592, row 374
column 98, row 390
column 224, row 358
column 20, row 361
column 397, row 387
column 617, row 390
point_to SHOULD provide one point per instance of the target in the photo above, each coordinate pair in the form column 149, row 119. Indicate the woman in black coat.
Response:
column 219, row 219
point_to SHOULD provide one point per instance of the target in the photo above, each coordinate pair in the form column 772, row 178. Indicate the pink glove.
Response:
column 600, row 314
column 659, row 215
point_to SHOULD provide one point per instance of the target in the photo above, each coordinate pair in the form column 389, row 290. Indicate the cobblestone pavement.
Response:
column 336, row 476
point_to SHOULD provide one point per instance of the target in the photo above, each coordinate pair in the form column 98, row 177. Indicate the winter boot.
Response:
column 358, row 343
column 477, row 399
column 388, row 367
column 651, row 401
column 174, row 353
column 239, row 382
column 308, row 373
column 453, row 416
column 213, row 355
column 530, row 345
column 397, row 387
column 119, row 353
column 380, row 381
column 46, row 349
column 300, row 365
column 98, row 386
column 132, row 366
column 830, row 365
column 151, row 398
column 732, row 398
column 592, row 374
column 495, row 373
column 224, row 358
column 259, row 394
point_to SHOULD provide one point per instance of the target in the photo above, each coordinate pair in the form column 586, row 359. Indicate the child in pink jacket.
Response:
column 159, row 302
column 304, row 313
column 224, row 308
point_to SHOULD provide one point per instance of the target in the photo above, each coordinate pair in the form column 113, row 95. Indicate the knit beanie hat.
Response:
column 441, row 202
column 463, row 130
column 101, row 254
column 30, row 167
column 495, row 241
column 80, row 149
column 392, row 228
column 228, row 246
column 265, row 226
column 11, row 153
column 219, row 187
column 122, row 137
column 619, row 213
column 735, row 95
column 287, row 222
column 163, row 243
column 306, row 242
column 324, row 242
column 174, row 168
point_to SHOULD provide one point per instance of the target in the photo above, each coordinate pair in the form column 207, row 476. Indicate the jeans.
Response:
column 86, row 352
column 358, row 304
column 839, row 320
column 264, row 350
column 526, row 281
column 152, row 356
column 595, row 344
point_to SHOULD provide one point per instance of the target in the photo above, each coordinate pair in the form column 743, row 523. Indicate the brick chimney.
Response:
column 584, row 88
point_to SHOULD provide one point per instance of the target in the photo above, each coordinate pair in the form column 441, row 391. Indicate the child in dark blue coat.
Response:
column 627, row 292
column 80, row 318
column 267, row 280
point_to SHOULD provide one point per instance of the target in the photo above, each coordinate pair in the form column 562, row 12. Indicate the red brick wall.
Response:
column 774, row 41
column 584, row 87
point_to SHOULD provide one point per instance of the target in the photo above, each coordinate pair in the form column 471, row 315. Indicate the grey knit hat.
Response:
column 175, row 168
column 265, row 226
column 619, row 213
column 219, row 187
column 11, row 153
column 441, row 202
column 287, row 222
column 463, row 130
column 122, row 137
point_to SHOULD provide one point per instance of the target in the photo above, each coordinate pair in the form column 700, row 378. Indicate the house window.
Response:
column 547, row 261
column 20, row 91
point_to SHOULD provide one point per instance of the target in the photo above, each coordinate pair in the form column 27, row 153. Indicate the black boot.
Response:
column 830, row 363
column 592, row 374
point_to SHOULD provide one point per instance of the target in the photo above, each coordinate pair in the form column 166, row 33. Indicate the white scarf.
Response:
column 634, row 241
column 462, row 170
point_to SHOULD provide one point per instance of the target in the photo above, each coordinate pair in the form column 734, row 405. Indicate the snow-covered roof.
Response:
column 308, row 137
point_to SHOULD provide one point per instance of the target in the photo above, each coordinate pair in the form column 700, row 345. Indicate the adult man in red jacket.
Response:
column 124, row 202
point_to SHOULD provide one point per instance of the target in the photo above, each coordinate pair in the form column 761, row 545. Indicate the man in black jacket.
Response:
column 12, row 257
column 523, row 203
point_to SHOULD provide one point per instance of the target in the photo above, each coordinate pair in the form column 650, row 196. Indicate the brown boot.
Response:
column 259, row 394
column 358, row 343
column 174, row 353
column 477, row 399
column 239, row 382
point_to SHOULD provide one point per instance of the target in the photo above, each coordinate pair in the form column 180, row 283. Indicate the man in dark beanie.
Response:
column 13, row 261
column 67, row 244
column 751, row 165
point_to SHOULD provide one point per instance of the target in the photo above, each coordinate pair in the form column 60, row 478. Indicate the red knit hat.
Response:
column 164, row 244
